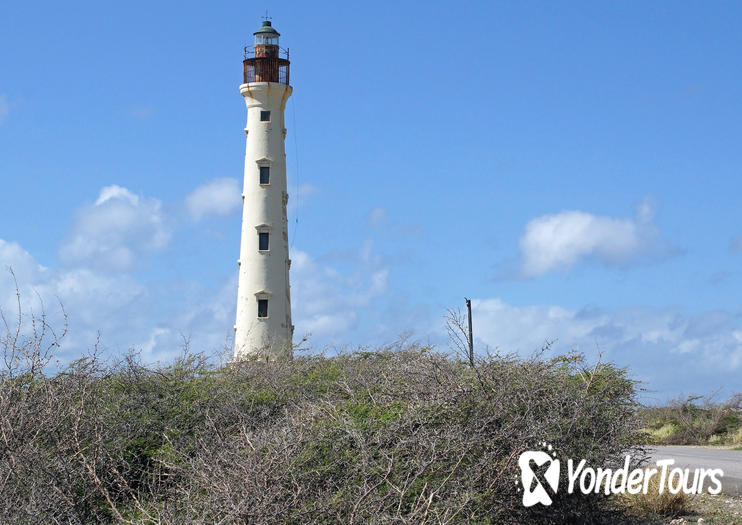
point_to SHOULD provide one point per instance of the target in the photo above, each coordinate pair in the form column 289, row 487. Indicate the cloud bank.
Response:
column 109, row 239
column 559, row 241
column 218, row 197
column 325, row 302
column 116, row 232
column 670, row 350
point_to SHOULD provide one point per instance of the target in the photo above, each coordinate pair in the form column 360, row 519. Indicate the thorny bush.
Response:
column 404, row 434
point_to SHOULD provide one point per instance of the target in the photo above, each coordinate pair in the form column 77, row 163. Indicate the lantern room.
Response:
column 266, row 62
column 266, row 36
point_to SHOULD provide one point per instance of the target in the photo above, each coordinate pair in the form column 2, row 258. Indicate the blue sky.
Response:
column 574, row 168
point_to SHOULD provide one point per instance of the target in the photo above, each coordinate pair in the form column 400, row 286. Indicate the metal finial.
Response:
column 266, row 17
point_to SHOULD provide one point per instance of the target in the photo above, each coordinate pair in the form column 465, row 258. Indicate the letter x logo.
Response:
column 530, row 462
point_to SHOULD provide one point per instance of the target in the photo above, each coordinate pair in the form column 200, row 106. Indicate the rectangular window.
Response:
column 262, row 307
column 265, row 116
column 265, row 174
column 263, row 241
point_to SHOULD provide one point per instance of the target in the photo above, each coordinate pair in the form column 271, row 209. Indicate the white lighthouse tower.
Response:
column 263, row 324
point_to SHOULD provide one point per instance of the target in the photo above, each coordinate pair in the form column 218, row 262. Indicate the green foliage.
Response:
column 407, row 435
column 693, row 421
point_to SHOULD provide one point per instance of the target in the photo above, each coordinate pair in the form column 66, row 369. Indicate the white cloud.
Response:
column 4, row 107
column 559, row 241
column 123, row 311
column 326, row 302
column 215, row 198
column 148, row 347
column 93, row 301
column 115, row 192
column 116, row 232
column 206, row 317
column 13, row 256
column 671, row 351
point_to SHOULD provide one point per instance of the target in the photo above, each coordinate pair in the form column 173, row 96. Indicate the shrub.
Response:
column 656, row 503
column 664, row 432
column 402, row 434
column 408, row 435
column 695, row 420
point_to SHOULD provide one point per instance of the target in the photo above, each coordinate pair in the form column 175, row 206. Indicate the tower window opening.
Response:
column 265, row 174
column 265, row 116
column 262, row 308
column 263, row 241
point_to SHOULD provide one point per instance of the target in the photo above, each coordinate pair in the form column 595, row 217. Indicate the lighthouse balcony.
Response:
column 266, row 66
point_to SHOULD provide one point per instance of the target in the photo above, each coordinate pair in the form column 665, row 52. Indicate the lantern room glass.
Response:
column 267, row 39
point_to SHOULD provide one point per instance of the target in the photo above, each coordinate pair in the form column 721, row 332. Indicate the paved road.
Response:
column 730, row 461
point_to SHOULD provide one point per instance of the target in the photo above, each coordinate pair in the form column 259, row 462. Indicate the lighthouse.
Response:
column 263, row 326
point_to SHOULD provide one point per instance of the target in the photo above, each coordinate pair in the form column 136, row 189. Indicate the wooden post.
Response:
column 471, row 336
